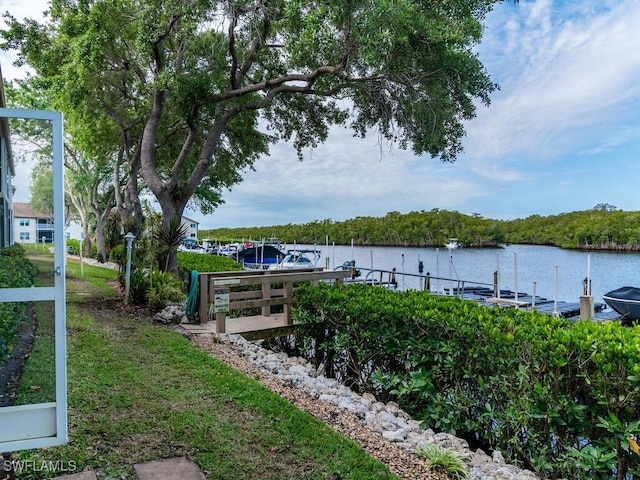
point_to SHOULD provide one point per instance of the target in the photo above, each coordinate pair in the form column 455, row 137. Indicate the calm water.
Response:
column 608, row 271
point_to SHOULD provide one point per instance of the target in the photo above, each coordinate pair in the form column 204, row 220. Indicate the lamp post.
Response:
column 129, row 237
column 80, row 253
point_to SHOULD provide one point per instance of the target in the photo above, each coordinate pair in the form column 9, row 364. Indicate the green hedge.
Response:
column 557, row 397
column 207, row 263
column 16, row 270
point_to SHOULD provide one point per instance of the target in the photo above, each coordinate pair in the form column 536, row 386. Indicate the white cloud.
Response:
column 563, row 80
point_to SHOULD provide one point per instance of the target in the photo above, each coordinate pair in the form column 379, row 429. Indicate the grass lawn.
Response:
column 140, row 392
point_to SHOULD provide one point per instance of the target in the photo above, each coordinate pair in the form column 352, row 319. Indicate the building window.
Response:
column 24, row 222
column 193, row 225
column 24, row 235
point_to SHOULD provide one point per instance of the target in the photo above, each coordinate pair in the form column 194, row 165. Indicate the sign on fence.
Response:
column 221, row 300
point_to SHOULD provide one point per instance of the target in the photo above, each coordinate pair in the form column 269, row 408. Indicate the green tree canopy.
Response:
column 198, row 90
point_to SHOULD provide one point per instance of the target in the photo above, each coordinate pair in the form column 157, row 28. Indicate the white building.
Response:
column 191, row 226
column 30, row 226
column 74, row 230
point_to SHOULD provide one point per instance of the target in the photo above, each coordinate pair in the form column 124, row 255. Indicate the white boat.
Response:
column 298, row 259
column 453, row 244
column 231, row 249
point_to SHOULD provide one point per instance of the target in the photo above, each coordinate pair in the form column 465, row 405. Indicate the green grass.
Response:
column 37, row 383
column 140, row 392
column 94, row 282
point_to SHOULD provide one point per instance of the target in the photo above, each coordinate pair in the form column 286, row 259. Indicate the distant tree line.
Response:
column 604, row 227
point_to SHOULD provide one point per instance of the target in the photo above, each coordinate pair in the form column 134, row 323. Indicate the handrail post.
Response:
column 266, row 294
column 221, row 322
column 288, row 294
column 203, row 297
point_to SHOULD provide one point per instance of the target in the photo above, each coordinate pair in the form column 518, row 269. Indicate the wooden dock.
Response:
column 252, row 328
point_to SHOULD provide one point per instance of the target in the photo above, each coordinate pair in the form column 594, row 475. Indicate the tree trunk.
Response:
column 84, row 216
column 100, row 241
column 171, row 209
column 101, row 219
column 86, row 243
column 128, row 197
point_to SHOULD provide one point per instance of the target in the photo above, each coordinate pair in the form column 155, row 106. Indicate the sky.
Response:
column 561, row 134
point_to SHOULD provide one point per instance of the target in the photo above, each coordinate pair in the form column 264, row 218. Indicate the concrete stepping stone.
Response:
column 88, row 475
column 169, row 469
column 166, row 469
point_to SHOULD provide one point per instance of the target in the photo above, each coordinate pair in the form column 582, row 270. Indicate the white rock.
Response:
column 505, row 473
column 498, row 459
column 332, row 399
column 392, row 422
column 395, row 436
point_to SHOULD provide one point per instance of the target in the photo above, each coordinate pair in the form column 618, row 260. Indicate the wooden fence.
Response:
column 221, row 291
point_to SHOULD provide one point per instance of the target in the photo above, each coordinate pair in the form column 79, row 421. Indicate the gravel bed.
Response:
column 404, row 464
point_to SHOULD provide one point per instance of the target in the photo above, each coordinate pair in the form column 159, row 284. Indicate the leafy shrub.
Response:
column 118, row 254
column 206, row 263
column 544, row 391
column 154, row 289
column 93, row 251
column 139, row 286
column 10, row 316
column 165, row 289
column 15, row 271
column 157, row 289
column 73, row 246
column 168, row 239
column 15, row 250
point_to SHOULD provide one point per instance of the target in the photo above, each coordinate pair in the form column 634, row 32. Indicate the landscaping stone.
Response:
column 387, row 420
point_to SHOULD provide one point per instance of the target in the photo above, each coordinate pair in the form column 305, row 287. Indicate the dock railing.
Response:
column 220, row 291
column 426, row 282
column 490, row 293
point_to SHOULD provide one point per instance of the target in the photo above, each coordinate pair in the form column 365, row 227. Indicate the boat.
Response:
column 191, row 245
column 260, row 257
column 453, row 244
column 298, row 259
column 625, row 301
column 230, row 250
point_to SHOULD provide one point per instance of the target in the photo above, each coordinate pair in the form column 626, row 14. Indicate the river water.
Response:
column 557, row 273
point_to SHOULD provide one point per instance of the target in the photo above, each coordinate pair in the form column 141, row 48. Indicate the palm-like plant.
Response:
column 455, row 464
column 169, row 239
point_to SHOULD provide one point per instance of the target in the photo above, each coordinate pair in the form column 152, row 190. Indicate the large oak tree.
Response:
column 199, row 89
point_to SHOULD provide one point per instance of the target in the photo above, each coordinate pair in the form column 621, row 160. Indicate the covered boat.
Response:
column 260, row 256
column 625, row 301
